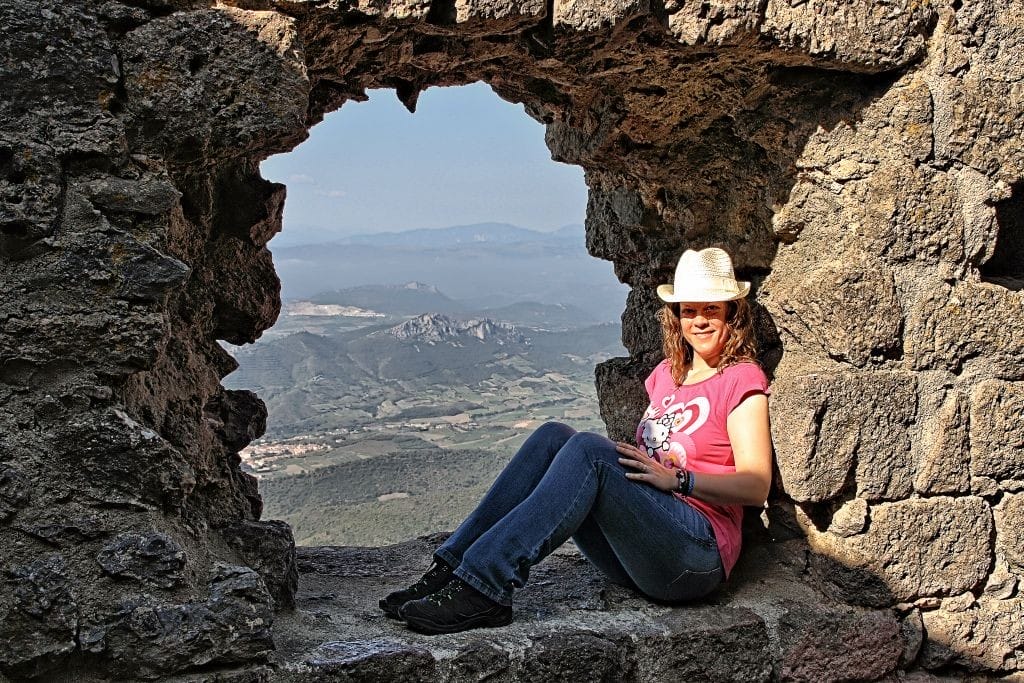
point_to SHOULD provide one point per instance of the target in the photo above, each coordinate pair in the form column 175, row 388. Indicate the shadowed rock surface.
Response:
column 862, row 162
column 571, row 624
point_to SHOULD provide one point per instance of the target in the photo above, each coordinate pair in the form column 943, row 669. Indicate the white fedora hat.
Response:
column 705, row 275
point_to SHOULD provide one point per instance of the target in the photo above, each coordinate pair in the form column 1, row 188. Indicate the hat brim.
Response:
column 668, row 294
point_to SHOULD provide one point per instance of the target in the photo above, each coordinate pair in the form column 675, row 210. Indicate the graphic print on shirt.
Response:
column 665, row 430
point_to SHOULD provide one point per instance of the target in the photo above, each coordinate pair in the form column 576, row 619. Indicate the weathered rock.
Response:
column 872, row 37
column 174, row 71
column 146, row 195
column 480, row 660
column 65, row 531
column 129, row 464
column 986, row 637
column 912, row 634
column 817, row 644
column 14, row 492
column 1001, row 584
column 240, row 417
column 38, row 616
column 153, row 558
column 933, row 546
column 150, row 639
column 850, row 519
column 947, row 326
column 731, row 642
column 1009, row 519
column 846, row 306
column 372, row 660
column 997, row 433
column 269, row 548
column 620, row 389
column 821, row 422
column 944, row 465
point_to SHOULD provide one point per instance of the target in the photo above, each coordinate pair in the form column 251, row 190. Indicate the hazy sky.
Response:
column 465, row 156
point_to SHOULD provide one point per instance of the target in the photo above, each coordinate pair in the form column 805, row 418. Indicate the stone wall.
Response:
column 859, row 160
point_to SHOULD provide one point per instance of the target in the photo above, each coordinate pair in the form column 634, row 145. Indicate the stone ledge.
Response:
column 571, row 624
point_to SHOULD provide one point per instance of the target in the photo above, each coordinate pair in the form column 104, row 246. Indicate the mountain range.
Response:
column 482, row 266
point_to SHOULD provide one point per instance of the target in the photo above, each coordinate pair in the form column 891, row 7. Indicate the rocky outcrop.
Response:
column 434, row 328
column 862, row 163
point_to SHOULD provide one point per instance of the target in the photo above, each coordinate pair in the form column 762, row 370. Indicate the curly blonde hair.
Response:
column 739, row 345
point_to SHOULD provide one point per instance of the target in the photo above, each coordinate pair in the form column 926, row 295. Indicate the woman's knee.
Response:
column 554, row 433
column 593, row 447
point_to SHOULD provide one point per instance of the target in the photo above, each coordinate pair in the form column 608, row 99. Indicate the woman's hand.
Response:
column 649, row 470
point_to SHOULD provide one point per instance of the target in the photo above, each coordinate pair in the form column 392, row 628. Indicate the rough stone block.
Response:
column 708, row 644
column 480, row 661
column 713, row 23
column 850, row 519
column 372, row 660
column 38, row 616
column 817, row 644
column 847, row 308
column 1009, row 518
column 944, row 462
column 997, row 431
column 576, row 656
column 918, row 547
column 152, row 558
column 214, row 81
column 950, row 325
column 622, row 397
column 822, row 424
column 468, row 10
column 269, row 548
column 149, row 195
column 988, row 635
column 857, row 33
column 151, row 639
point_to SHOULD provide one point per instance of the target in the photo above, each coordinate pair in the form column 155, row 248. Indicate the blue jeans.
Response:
column 564, row 484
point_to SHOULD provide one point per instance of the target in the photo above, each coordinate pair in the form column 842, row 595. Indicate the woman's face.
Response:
column 704, row 327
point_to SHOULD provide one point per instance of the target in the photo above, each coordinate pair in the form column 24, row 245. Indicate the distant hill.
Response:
column 411, row 298
column 310, row 381
column 477, row 233
column 538, row 315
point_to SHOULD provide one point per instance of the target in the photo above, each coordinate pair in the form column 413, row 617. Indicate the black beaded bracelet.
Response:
column 685, row 482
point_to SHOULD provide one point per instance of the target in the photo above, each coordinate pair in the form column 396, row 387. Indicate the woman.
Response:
column 662, row 515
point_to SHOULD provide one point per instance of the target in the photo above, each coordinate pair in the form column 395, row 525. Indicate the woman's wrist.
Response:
column 684, row 482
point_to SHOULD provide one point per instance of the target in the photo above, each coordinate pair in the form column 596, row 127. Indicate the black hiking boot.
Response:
column 456, row 607
column 435, row 579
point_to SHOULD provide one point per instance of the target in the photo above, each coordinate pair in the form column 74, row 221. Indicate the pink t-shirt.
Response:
column 686, row 427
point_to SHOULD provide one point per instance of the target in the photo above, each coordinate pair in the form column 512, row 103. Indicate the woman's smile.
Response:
column 704, row 328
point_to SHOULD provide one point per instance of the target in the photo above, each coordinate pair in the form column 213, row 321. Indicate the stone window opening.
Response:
column 451, row 163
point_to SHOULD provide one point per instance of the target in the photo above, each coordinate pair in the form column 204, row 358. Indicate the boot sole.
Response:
column 427, row 627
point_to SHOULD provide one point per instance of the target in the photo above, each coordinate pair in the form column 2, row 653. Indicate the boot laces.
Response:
column 448, row 593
